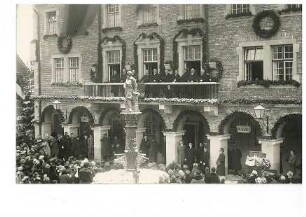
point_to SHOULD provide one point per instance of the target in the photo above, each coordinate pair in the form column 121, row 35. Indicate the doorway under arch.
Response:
column 112, row 118
column 195, row 125
column 154, row 126
column 52, row 120
column 244, row 132
column 83, row 118
column 289, row 128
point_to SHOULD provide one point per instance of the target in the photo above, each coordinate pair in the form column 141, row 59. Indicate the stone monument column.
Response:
column 130, row 120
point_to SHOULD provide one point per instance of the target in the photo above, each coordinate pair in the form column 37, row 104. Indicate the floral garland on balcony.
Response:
column 161, row 48
column 266, row 33
column 268, row 83
column 180, row 100
column 67, row 84
column 263, row 101
column 193, row 32
column 117, row 28
column 147, row 25
column 191, row 20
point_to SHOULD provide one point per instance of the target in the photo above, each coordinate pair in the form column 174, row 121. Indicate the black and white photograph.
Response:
column 136, row 95
column 160, row 94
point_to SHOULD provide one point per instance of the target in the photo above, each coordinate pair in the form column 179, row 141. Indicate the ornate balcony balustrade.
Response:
column 190, row 90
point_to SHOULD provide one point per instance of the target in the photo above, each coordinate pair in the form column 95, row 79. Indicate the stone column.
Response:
column 217, row 142
column 271, row 147
column 172, row 141
column 130, row 121
column 139, row 136
column 98, row 131
column 71, row 128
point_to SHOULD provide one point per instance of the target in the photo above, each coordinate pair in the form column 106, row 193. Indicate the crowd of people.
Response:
column 67, row 159
column 169, row 76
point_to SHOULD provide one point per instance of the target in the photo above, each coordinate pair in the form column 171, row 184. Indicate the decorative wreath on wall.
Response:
column 266, row 33
column 64, row 43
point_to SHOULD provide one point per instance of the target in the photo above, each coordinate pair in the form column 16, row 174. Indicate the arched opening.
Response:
column 154, row 126
column 82, row 117
column 244, row 131
column 112, row 118
column 195, row 125
column 289, row 128
column 52, row 120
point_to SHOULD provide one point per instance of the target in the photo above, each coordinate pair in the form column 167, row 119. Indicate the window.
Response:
column 73, row 69
column 253, row 60
column 282, row 62
column 149, row 15
column 51, row 23
column 113, row 61
column 192, row 58
column 240, row 9
column 150, row 60
column 59, row 70
column 113, row 16
column 192, row 11
column 294, row 7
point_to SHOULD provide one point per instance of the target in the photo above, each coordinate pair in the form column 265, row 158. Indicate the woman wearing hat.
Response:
column 221, row 163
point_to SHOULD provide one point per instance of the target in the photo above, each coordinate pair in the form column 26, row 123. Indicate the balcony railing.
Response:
column 191, row 90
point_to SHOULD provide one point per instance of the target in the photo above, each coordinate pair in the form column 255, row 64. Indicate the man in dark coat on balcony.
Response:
column 176, row 88
column 169, row 77
column 115, row 79
column 147, row 78
column 156, row 79
column 193, row 77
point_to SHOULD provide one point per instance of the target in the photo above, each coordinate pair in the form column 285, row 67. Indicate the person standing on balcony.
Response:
column 193, row 77
column 176, row 88
column 156, row 79
column 146, row 78
column 205, row 77
column 169, row 77
column 123, row 76
column 115, row 79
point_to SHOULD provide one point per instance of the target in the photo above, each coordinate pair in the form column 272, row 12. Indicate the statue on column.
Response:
column 131, row 93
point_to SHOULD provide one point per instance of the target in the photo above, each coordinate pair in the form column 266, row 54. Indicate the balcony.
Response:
column 194, row 90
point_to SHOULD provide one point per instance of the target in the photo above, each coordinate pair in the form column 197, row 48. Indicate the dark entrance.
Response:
column 192, row 134
column 112, row 68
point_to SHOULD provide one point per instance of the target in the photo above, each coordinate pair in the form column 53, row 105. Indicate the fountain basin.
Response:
column 122, row 176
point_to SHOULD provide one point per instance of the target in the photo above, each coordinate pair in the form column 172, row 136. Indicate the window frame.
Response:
column 66, row 76
column 267, row 57
column 46, row 12
column 252, row 60
column 283, row 60
column 105, row 19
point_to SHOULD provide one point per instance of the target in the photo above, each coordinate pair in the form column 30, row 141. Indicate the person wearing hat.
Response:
column 221, row 163
column 86, row 174
column 190, row 155
column 197, row 178
column 144, row 145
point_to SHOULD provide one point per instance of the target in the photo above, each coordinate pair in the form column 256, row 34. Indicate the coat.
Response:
column 46, row 148
column 65, row 179
column 86, row 176
column 181, row 154
column 106, row 149
column 54, row 148
column 77, row 147
column 84, row 147
column 190, row 156
column 236, row 159
column 144, row 147
column 61, row 148
column 153, row 151
column 221, row 165
column 292, row 164
column 213, row 178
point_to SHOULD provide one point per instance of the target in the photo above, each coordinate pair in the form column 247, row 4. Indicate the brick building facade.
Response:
column 217, row 39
